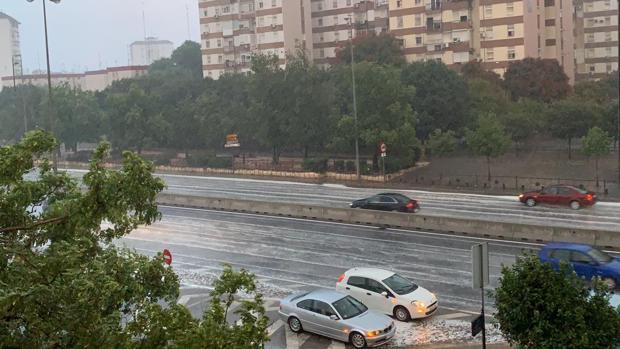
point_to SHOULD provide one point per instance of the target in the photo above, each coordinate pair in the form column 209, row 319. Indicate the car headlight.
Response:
column 420, row 307
column 373, row 333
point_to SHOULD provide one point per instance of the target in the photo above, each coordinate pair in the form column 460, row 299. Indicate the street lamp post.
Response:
column 49, row 81
column 17, row 62
column 357, row 147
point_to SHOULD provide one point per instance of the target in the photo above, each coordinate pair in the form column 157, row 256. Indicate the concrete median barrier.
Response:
column 418, row 221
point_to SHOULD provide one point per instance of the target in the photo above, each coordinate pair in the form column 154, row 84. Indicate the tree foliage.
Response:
column 535, row 78
column 65, row 283
column 441, row 143
column 571, row 118
column 488, row 139
column 538, row 307
column 382, row 49
column 596, row 144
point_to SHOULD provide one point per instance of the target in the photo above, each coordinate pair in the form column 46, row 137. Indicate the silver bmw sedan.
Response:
column 338, row 316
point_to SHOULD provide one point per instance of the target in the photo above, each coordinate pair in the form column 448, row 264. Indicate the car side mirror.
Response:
column 384, row 294
column 334, row 317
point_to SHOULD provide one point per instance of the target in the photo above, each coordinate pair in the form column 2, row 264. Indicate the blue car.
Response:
column 587, row 261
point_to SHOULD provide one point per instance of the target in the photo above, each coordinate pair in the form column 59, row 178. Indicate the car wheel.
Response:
column 357, row 340
column 611, row 283
column 530, row 202
column 294, row 324
column 575, row 205
column 402, row 314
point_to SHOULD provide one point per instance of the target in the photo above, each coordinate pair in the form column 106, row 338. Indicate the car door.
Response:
column 583, row 265
column 388, row 203
column 356, row 287
column 306, row 315
column 558, row 256
column 548, row 195
column 328, row 326
column 375, row 300
column 373, row 203
column 564, row 196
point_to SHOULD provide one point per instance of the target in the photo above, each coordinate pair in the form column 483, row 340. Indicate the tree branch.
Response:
column 56, row 220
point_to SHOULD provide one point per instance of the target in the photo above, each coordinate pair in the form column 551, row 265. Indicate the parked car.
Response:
column 388, row 202
column 568, row 195
column 587, row 261
column 388, row 293
column 338, row 316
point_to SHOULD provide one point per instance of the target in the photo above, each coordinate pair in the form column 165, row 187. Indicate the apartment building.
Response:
column 96, row 80
column 232, row 30
column 596, row 38
column 331, row 24
column 147, row 51
column 10, row 52
column 493, row 31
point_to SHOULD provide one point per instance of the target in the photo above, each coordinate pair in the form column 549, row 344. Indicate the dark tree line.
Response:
column 305, row 110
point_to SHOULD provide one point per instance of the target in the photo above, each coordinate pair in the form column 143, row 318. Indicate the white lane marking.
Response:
column 274, row 327
column 451, row 316
column 336, row 345
column 294, row 341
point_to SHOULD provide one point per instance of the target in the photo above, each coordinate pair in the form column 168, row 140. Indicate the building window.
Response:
column 607, row 20
column 488, row 33
column 550, row 42
column 590, row 38
column 549, row 3
column 607, row 51
column 511, row 30
column 337, row 36
column 274, row 3
column 488, row 11
column 348, row 2
column 261, row 21
column 511, row 53
column 592, row 68
column 399, row 21
column 320, row 22
column 220, row 59
column 418, row 40
column 399, row 3
column 208, row 59
column 219, row 43
column 607, row 3
column 590, row 53
column 319, row 6
column 608, row 67
column 260, row 4
column 608, row 36
column 321, row 39
column 226, row 9
column 335, row 4
column 322, row 53
column 418, row 20
column 208, row 43
column 463, row 19
column 490, row 54
column 510, row 8
column 335, row 20
column 274, row 20
column 418, row 2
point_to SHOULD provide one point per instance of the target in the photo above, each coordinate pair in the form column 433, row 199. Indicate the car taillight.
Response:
column 410, row 204
column 340, row 278
column 589, row 197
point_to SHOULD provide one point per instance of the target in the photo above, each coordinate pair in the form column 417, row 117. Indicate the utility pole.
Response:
column 357, row 147
column 16, row 62
column 14, row 81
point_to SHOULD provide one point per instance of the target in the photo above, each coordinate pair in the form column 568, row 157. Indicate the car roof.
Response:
column 380, row 274
column 568, row 246
column 392, row 194
column 325, row 295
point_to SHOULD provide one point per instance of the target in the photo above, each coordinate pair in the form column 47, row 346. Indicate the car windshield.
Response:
column 581, row 191
column 599, row 256
column 400, row 285
column 349, row 307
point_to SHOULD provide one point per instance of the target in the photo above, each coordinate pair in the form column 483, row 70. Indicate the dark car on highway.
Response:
column 388, row 202
column 568, row 195
column 587, row 262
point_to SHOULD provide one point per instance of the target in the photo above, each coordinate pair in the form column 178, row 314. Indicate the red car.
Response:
column 559, row 195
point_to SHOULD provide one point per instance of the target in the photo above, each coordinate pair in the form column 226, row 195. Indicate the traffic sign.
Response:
column 167, row 256
column 480, row 265
column 477, row 325
column 232, row 141
column 383, row 148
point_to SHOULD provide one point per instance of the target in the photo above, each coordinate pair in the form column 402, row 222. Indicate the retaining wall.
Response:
column 470, row 227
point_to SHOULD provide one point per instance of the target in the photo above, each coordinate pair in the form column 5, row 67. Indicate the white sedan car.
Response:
column 387, row 292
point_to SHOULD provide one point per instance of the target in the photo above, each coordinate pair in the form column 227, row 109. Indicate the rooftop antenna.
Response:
column 146, row 41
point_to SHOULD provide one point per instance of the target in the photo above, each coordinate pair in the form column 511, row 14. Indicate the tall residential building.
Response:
column 9, row 45
column 596, row 38
column 331, row 27
column 232, row 30
column 493, row 31
column 148, row 51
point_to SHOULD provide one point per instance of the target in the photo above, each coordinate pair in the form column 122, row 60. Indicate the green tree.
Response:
column 488, row 139
column 523, row 120
column 65, row 284
column 486, row 97
column 189, row 57
column 441, row 143
column 596, row 144
column 540, row 79
column 571, row 118
column 538, row 307
column 601, row 91
column 474, row 70
column 382, row 49
column 441, row 97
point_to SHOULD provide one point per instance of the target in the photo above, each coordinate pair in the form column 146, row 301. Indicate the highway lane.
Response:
column 604, row 215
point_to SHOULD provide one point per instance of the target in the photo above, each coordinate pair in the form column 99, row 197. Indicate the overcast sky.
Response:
column 93, row 34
